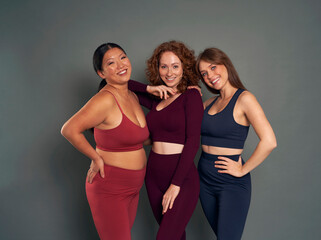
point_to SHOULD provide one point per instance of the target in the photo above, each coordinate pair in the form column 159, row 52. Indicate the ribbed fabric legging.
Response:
column 225, row 199
column 159, row 173
column 113, row 201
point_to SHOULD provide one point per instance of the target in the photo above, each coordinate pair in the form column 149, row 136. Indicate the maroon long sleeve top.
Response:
column 179, row 122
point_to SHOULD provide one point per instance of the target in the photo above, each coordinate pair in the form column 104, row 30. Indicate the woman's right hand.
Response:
column 95, row 167
column 161, row 91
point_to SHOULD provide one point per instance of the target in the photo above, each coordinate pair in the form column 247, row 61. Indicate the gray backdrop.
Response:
column 47, row 75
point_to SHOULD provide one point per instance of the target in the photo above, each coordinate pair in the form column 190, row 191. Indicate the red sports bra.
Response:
column 127, row 136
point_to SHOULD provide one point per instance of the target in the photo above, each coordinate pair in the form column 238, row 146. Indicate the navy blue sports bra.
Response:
column 221, row 130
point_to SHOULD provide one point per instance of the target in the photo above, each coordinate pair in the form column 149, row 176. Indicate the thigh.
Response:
column 234, row 204
column 209, row 204
column 175, row 220
column 110, row 216
column 113, row 201
column 159, row 172
column 155, row 196
column 132, row 208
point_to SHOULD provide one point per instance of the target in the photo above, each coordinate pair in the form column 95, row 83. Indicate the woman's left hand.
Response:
column 230, row 166
column 169, row 197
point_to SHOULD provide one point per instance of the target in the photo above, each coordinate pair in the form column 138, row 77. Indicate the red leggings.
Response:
column 113, row 201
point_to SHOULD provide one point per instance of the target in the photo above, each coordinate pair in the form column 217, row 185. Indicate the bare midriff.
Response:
column 133, row 160
column 167, row 148
column 221, row 150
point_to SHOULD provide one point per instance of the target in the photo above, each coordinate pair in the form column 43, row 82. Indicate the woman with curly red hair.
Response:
column 174, row 122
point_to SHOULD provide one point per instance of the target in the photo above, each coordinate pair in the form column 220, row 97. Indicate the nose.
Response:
column 209, row 75
column 169, row 72
column 120, row 64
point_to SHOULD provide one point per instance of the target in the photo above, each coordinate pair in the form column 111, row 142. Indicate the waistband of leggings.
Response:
column 165, row 155
column 210, row 157
column 124, row 171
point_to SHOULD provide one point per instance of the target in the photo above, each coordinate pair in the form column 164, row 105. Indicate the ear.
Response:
column 101, row 74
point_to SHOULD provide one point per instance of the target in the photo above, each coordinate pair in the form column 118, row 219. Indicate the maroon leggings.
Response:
column 113, row 201
column 159, row 173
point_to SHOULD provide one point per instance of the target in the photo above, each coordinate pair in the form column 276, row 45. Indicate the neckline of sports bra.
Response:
column 212, row 103
column 123, row 115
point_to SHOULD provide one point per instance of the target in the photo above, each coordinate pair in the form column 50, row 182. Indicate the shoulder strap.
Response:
column 211, row 104
column 115, row 100
column 235, row 97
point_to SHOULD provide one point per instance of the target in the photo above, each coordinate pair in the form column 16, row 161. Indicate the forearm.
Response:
column 261, row 152
column 193, row 117
column 186, row 160
column 136, row 86
column 140, row 90
column 79, row 141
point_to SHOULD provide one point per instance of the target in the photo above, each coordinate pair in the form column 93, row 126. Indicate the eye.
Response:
column 175, row 66
column 123, row 57
column 203, row 74
column 110, row 63
column 213, row 68
column 163, row 67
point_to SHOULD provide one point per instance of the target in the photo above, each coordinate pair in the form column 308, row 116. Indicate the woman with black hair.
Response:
column 119, row 130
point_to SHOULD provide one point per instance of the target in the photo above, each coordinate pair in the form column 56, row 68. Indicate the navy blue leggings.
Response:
column 159, row 172
column 225, row 199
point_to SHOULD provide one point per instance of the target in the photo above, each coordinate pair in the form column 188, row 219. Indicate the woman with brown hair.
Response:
column 174, row 123
column 225, row 179
column 115, row 114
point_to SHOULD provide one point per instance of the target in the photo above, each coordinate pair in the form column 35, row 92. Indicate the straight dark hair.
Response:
column 218, row 57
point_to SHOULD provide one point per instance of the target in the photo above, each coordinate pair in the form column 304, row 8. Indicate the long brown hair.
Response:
column 218, row 57
column 187, row 57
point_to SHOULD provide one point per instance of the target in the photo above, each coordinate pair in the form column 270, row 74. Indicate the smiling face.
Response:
column 170, row 69
column 116, row 67
column 215, row 76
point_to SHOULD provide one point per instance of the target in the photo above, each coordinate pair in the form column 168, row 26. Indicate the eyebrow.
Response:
column 113, row 57
column 170, row 64
column 207, row 66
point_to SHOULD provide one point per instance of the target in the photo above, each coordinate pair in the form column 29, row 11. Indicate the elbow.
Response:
column 274, row 144
column 66, row 131
column 271, row 144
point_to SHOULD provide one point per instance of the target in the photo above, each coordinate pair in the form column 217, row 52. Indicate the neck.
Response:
column 227, row 92
column 120, row 89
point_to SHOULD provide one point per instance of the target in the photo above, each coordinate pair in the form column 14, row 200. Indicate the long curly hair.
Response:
column 187, row 57
column 217, row 56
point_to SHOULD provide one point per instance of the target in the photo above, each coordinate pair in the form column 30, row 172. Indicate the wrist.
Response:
column 175, row 186
column 97, row 159
column 243, row 172
column 148, row 89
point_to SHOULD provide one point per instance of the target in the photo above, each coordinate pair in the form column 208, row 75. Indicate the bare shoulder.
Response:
column 102, row 100
column 247, row 100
